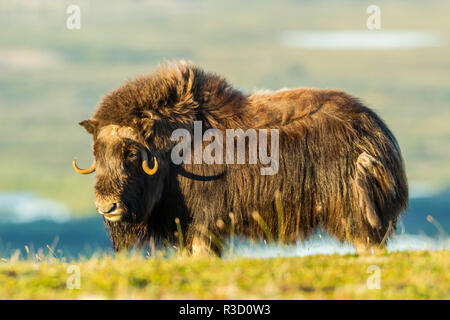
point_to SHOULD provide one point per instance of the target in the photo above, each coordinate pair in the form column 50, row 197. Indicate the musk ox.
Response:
column 340, row 169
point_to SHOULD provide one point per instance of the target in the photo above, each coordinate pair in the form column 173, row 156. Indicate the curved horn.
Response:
column 83, row 171
column 145, row 166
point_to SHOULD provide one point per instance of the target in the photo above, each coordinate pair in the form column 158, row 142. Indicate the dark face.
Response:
column 124, row 191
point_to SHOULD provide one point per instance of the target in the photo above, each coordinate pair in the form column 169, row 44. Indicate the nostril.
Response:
column 107, row 208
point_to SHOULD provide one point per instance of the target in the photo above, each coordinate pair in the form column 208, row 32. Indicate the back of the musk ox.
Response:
column 339, row 168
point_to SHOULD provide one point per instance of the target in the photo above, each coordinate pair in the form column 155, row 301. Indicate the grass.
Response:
column 403, row 275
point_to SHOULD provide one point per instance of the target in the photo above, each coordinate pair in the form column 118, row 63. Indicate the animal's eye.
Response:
column 131, row 154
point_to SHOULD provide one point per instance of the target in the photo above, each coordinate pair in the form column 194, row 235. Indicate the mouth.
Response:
column 112, row 216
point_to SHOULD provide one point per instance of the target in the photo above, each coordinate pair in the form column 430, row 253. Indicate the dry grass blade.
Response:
column 257, row 217
column 180, row 235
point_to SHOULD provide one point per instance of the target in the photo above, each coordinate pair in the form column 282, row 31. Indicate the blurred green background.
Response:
column 51, row 77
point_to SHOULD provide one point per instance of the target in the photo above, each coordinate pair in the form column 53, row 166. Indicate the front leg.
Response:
column 201, row 246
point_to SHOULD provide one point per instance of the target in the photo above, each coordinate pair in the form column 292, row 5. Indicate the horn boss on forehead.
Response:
column 113, row 132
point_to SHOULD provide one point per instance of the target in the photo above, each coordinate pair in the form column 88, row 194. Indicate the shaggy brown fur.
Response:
column 340, row 170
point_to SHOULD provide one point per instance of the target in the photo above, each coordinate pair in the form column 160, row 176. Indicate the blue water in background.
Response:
column 72, row 238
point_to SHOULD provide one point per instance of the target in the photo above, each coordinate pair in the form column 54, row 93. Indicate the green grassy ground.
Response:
column 405, row 275
column 41, row 103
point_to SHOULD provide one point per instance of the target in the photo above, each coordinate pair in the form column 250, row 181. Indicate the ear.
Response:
column 146, row 123
column 89, row 125
column 152, row 115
